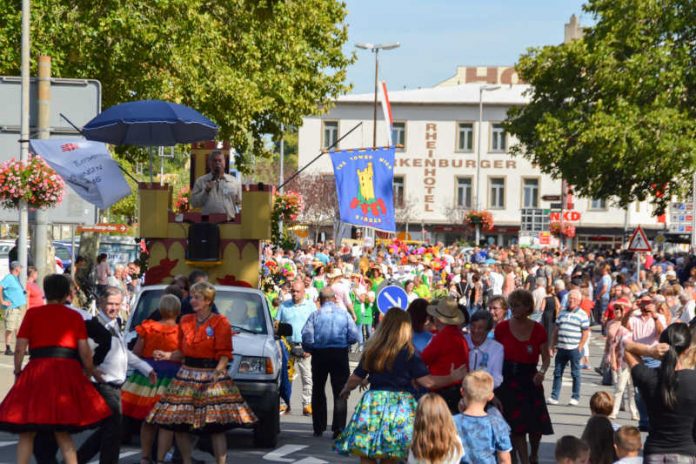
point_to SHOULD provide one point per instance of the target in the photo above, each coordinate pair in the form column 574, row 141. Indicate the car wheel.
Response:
column 267, row 429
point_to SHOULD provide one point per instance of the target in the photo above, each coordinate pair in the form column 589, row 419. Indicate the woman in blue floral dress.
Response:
column 382, row 425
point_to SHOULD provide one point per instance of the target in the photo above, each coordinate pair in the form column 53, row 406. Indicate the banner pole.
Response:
column 319, row 155
column 80, row 132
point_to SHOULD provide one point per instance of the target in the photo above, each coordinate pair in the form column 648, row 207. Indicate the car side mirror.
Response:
column 284, row 330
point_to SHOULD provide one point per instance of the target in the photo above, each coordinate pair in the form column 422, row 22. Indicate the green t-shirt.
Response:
column 423, row 291
column 368, row 313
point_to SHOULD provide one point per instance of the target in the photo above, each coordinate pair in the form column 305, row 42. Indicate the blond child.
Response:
column 435, row 439
column 486, row 437
column 572, row 450
column 627, row 444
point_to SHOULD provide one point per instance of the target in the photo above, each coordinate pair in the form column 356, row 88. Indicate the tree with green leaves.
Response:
column 614, row 113
column 249, row 65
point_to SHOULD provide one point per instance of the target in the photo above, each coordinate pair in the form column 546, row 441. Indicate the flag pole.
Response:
column 123, row 170
column 323, row 152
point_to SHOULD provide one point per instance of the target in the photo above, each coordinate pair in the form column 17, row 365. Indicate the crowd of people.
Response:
column 504, row 311
column 455, row 376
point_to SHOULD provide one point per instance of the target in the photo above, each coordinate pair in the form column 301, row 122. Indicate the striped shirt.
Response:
column 571, row 324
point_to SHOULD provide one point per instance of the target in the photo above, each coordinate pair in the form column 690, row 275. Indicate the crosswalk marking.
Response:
column 122, row 455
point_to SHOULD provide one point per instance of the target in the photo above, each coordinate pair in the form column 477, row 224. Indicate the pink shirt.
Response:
column 342, row 293
column 103, row 273
column 643, row 329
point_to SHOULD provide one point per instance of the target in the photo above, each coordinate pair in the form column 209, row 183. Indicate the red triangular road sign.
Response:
column 639, row 242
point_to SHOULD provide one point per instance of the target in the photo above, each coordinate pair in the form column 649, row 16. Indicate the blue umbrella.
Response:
column 150, row 123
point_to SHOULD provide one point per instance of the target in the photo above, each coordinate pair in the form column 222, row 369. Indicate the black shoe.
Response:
column 318, row 434
column 336, row 434
column 8, row 351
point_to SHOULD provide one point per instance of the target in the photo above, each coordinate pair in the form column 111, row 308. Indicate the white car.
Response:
column 257, row 359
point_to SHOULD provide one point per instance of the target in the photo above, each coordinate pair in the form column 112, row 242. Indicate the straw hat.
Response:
column 335, row 272
column 446, row 311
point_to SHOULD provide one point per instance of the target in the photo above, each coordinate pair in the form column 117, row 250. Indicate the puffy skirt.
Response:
column 524, row 405
column 381, row 426
column 52, row 394
column 196, row 403
column 138, row 395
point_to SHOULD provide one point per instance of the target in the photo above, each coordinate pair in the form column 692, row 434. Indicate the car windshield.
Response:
column 245, row 311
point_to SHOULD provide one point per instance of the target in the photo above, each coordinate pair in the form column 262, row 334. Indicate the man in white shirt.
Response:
column 687, row 309
column 112, row 370
column 496, row 279
column 217, row 192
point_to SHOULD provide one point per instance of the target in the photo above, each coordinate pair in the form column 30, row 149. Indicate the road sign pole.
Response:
column 562, row 208
column 693, row 215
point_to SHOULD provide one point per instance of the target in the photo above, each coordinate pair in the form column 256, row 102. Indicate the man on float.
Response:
column 217, row 192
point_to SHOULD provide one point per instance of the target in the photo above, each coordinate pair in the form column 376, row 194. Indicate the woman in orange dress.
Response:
column 202, row 398
column 157, row 344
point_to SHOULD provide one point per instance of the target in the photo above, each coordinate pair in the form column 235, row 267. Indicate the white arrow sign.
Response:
column 396, row 303
column 277, row 454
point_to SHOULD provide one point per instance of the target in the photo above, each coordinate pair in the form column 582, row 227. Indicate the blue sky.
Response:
column 436, row 36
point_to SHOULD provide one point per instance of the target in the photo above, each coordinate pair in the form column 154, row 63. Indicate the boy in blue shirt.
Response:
column 485, row 436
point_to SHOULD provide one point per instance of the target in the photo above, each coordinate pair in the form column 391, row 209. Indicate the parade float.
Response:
column 233, row 259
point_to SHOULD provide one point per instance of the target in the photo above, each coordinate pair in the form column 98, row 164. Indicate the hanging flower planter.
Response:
column 32, row 180
column 484, row 218
column 286, row 209
column 558, row 230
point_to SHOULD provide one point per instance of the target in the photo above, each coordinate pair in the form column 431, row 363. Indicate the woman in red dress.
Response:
column 202, row 398
column 52, row 393
column 522, row 392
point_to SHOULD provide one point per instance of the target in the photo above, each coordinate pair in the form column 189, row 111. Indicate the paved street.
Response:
column 298, row 446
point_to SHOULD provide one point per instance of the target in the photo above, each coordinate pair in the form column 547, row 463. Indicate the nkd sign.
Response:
column 568, row 216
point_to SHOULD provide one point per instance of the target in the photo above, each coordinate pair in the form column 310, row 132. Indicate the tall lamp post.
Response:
column 375, row 48
column 483, row 88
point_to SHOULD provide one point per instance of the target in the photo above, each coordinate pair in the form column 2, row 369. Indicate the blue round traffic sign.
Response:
column 391, row 296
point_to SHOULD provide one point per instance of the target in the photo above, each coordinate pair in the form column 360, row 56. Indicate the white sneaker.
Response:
column 573, row 402
column 550, row 400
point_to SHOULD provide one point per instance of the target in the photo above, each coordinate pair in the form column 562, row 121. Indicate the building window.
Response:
column 465, row 137
column 464, row 192
column 530, row 193
column 329, row 133
column 498, row 138
column 497, row 196
column 598, row 204
column 399, row 191
column 398, row 134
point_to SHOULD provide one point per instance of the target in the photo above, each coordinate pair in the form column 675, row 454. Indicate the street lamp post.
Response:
column 483, row 88
column 375, row 48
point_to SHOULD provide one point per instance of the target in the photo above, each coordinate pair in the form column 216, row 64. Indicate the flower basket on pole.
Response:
column 31, row 180
column 286, row 209
column 482, row 218
column 562, row 230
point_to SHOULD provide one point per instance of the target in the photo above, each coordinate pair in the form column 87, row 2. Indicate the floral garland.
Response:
column 565, row 229
column 33, row 181
column 485, row 218
column 183, row 200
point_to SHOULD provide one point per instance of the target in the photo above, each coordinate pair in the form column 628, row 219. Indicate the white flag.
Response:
column 85, row 166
